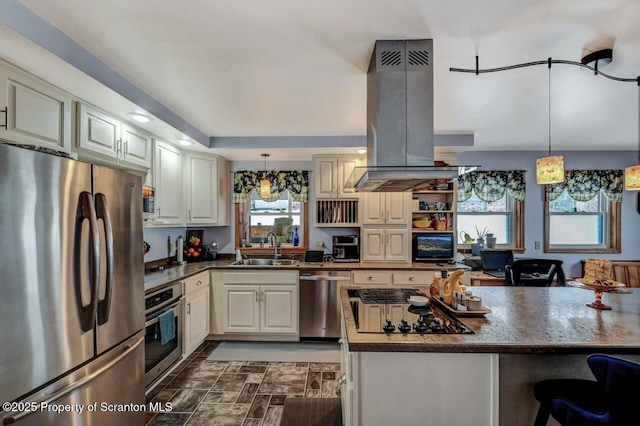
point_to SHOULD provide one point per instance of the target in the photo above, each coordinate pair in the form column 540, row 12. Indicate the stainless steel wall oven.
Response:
column 159, row 357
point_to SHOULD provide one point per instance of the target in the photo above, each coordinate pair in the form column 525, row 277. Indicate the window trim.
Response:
column 614, row 217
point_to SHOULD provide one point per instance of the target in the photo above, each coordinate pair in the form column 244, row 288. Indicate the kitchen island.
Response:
column 485, row 378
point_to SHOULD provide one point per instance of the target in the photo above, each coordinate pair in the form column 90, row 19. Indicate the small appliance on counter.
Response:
column 346, row 248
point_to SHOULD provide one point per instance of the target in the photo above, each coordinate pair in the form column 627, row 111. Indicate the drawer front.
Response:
column 371, row 277
column 413, row 278
column 196, row 282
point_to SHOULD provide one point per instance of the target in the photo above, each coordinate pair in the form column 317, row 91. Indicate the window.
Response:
column 497, row 216
column 493, row 200
column 582, row 214
column 281, row 216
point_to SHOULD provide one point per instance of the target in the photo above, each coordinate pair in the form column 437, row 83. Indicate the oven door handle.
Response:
column 155, row 319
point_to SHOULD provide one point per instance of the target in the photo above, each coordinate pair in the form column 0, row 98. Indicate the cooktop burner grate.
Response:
column 370, row 296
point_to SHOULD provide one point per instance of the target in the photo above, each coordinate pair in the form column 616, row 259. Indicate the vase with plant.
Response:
column 481, row 235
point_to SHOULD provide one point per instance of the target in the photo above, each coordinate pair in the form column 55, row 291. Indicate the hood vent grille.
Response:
column 419, row 57
column 390, row 59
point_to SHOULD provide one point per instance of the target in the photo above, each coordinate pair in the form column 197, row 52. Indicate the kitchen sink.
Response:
column 265, row 262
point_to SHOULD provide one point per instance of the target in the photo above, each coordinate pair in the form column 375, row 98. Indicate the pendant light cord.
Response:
column 549, row 67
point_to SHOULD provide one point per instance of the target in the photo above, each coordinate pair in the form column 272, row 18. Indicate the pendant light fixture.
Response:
column 550, row 169
column 632, row 173
column 265, row 184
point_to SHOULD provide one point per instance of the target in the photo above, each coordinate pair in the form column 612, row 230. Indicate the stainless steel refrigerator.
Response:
column 71, row 292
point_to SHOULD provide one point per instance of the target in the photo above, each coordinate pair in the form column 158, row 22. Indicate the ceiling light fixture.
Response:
column 139, row 117
column 362, row 151
column 632, row 173
column 185, row 142
column 265, row 184
column 550, row 169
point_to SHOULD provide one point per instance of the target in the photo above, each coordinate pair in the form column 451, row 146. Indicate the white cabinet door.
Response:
column 168, row 178
column 242, row 309
column 99, row 132
column 279, row 310
column 36, row 113
column 196, row 319
column 397, row 245
column 373, row 245
column 397, row 207
column 345, row 166
column 136, row 147
column 374, row 208
column 325, row 174
column 202, row 189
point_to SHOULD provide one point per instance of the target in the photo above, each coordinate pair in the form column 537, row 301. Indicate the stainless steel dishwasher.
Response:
column 320, row 302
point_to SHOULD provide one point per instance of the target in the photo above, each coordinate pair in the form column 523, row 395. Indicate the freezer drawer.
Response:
column 107, row 391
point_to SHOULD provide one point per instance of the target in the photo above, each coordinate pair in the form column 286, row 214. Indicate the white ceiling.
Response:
column 298, row 67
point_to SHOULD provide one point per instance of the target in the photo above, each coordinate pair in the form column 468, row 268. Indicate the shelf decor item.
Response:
column 491, row 241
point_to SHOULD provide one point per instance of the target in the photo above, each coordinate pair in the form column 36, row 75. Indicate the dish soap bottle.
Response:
column 296, row 237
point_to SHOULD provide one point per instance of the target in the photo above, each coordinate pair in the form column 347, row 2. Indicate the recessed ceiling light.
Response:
column 139, row 117
column 185, row 142
column 362, row 151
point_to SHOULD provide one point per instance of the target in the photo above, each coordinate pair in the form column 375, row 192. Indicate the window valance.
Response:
column 491, row 185
column 294, row 181
column 584, row 185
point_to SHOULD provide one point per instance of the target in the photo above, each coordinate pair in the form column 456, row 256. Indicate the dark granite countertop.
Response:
column 523, row 320
column 156, row 280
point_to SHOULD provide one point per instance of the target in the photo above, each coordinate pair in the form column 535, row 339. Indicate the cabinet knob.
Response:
column 199, row 282
column 371, row 278
column 340, row 341
column 412, row 278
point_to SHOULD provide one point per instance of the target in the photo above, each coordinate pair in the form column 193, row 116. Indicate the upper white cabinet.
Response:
column 34, row 113
column 169, row 201
column 391, row 208
column 106, row 136
column 207, row 188
column 331, row 173
column 386, row 245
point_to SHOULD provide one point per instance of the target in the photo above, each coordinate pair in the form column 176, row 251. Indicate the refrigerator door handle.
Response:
column 86, row 211
column 102, row 212
column 74, row 386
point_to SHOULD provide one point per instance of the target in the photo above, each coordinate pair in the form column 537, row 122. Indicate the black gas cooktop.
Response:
column 387, row 310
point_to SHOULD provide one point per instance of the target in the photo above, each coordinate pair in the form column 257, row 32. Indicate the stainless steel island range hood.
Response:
column 400, row 146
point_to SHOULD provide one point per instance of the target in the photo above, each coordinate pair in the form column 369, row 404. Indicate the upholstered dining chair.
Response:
column 535, row 273
column 609, row 400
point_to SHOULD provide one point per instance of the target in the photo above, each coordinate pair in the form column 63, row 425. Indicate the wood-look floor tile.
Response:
column 248, row 392
column 314, row 380
column 330, row 389
column 259, row 406
column 324, row 366
column 252, row 422
column 302, row 364
column 276, row 382
column 329, row 375
column 229, row 397
column 169, row 419
column 277, row 399
column 273, row 416
column 255, row 378
column 313, row 393
column 230, row 383
column 257, row 363
column 253, row 369
column 219, row 414
column 213, row 397
column 186, row 400
column 165, row 395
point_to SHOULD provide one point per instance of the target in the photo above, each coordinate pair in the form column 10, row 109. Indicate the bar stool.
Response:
column 610, row 400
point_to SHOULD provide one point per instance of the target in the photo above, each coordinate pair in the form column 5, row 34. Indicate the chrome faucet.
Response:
column 275, row 243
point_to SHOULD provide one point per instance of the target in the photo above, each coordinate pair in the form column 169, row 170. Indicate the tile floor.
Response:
column 205, row 392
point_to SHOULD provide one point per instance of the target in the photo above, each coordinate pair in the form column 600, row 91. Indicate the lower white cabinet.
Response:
column 270, row 307
column 197, row 310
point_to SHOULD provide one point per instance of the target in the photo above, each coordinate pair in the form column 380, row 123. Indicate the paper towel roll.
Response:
column 179, row 249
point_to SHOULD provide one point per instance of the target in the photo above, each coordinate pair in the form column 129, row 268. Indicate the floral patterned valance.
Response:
column 491, row 185
column 584, row 185
column 294, row 181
